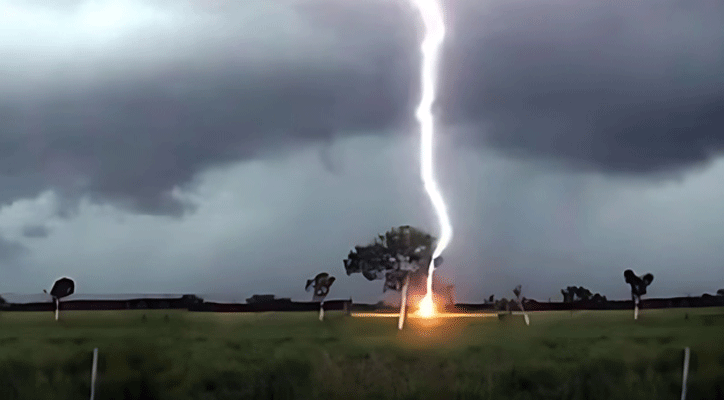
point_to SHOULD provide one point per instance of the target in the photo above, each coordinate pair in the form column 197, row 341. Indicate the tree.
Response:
column 502, row 304
column 720, row 292
column 400, row 253
column 576, row 293
column 399, row 256
column 517, row 291
column 638, row 287
column 597, row 298
column 638, row 284
column 321, row 284
column 61, row 288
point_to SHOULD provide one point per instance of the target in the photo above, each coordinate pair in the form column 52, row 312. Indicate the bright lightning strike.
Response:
column 434, row 35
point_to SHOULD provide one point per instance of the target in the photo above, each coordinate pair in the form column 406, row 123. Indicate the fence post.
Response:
column 686, row 373
column 93, row 373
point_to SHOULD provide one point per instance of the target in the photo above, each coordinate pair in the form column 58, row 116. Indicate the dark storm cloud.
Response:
column 35, row 231
column 132, row 140
column 615, row 87
column 631, row 87
column 135, row 142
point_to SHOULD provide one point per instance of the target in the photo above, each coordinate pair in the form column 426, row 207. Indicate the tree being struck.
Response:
column 401, row 257
column 398, row 254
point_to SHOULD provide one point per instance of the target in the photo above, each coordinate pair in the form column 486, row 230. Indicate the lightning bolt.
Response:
column 434, row 35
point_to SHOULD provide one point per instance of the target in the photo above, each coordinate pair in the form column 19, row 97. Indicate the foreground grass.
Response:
column 562, row 355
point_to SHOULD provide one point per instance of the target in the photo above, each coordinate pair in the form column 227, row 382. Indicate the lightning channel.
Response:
column 432, row 18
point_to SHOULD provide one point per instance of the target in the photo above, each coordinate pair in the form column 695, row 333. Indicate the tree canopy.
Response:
column 517, row 291
column 320, row 284
column 398, row 253
column 579, row 293
column 62, row 287
column 638, row 284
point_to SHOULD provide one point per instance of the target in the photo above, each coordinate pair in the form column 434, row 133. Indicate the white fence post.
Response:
column 686, row 373
column 93, row 373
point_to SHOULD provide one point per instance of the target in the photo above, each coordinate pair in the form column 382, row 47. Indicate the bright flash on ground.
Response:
column 427, row 307
column 416, row 315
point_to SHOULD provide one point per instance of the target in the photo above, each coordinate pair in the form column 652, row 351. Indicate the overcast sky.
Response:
column 241, row 147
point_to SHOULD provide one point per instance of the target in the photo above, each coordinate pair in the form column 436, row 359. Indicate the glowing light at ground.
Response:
column 427, row 306
column 430, row 47
column 417, row 315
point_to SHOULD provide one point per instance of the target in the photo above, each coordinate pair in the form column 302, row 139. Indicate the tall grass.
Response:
column 562, row 355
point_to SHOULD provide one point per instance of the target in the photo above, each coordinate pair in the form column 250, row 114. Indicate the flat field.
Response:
column 183, row 355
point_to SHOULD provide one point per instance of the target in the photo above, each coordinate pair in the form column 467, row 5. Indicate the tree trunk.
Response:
column 636, row 308
column 403, row 305
column 525, row 314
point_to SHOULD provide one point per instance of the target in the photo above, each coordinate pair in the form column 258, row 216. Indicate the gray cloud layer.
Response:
column 631, row 88
column 624, row 87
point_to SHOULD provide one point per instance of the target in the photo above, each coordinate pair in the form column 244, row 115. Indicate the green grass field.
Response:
column 561, row 355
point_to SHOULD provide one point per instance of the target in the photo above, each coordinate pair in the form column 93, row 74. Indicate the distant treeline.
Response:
column 598, row 304
column 187, row 302
column 182, row 302
column 194, row 303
